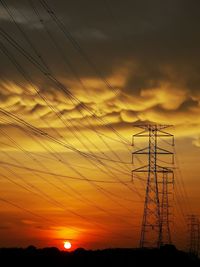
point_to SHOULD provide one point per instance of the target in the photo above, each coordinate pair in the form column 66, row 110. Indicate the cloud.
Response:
column 168, row 98
column 22, row 15
column 149, row 56
column 128, row 116
column 196, row 141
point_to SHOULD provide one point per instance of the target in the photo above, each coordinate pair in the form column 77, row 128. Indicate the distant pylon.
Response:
column 194, row 234
column 165, row 207
column 153, row 224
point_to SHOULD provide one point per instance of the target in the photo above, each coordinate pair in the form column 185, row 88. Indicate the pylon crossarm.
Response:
column 140, row 169
column 141, row 151
column 163, row 151
column 140, row 134
column 158, row 150
column 157, row 127
column 164, row 169
column 165, row 134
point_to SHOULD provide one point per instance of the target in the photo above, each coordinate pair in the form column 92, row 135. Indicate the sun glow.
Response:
column 67, row 245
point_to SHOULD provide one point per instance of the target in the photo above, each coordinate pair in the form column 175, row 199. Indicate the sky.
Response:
column 75, row 78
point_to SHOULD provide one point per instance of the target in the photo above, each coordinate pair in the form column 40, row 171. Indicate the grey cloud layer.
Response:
column 147, row 49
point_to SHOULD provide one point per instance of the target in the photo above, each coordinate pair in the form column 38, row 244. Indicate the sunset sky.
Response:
column 75, row 77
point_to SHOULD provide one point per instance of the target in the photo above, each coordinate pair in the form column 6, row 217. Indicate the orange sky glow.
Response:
column 67, row 119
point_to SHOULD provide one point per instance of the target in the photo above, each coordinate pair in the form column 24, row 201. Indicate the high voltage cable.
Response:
column 120, row 162
column 108, row 193
column 56, row 174
column 4, row 4
column 75, row 44
column 53, row 79
column 46, row 197
column 117, row 170
column 51, row 158
column 105, row 191
column 36, row 130
column 59, row 175
column 45, row 100
column 69, row 36
column 68, row 146
column 26, row 152
column 21, row 29
column 47, row 219
column 63, row 28
column 45, row 134
column 25, row 74
column 182, row 181
column 95, row 179
column 180, row 190
column 73, row 71
column 38, row 192
column 26, row 210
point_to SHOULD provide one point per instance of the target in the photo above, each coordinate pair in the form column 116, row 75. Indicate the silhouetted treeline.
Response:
column 47, row 257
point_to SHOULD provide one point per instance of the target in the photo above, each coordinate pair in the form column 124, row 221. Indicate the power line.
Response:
column 75, row 75
column 53, row 79
column 99, row 159
column 194, row 234
column 35, row 160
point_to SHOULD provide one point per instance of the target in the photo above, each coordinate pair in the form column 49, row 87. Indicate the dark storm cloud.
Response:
column 152, row 34
column 156, row 44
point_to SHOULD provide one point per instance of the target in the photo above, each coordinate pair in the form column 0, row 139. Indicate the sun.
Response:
column 67, row 245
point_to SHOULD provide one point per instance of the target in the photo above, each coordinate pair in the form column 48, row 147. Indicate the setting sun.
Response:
column 67, row 245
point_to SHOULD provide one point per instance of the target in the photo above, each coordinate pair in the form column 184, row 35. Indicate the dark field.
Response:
column 166, row 256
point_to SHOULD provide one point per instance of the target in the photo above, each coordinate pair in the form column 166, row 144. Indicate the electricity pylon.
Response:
column 165, row 207
column 194, row 234
column 154, row 222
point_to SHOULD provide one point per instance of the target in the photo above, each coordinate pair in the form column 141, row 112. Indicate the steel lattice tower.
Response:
column 153, row 224
column 194, row 234
column 165, row 206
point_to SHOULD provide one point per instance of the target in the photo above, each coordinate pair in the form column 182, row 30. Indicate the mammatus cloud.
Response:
column 151, row 62
column 196, row 141
column 159, row 105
